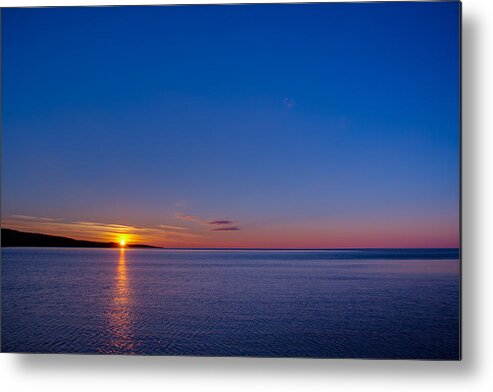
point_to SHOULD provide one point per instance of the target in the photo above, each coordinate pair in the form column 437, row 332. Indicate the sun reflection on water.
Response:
column 120, row 315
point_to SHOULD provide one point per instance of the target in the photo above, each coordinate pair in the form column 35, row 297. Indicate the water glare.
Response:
column 120, row 315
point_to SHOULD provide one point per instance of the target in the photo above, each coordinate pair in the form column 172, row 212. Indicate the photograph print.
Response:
column 261, row 180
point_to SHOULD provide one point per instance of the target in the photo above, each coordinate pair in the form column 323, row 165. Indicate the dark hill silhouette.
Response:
column 19, row 238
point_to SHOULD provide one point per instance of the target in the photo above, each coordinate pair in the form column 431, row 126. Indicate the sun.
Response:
column 122, row 243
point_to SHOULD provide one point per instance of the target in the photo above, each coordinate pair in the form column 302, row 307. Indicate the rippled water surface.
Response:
column 351, row 304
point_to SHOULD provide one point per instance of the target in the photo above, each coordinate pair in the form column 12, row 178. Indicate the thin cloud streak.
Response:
column 189, row 218
column 172, row 227
column 98, row 231
column 29, row 217
column 203, row 222
column 221, row 222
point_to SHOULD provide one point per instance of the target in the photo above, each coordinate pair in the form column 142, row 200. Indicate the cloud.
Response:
column 226, row 229
column 172, row 227
column 220, row 222
column 190, row 218
column 195, row 219
column 210, row 224
column 288, row 103
column 37, row 218
column 98, row 231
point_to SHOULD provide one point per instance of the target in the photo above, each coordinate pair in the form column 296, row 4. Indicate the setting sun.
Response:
column 122, row 243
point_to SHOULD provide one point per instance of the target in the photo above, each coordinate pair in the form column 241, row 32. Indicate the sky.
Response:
column 253, row 126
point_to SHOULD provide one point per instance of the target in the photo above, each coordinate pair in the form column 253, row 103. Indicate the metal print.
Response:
column 233, row 180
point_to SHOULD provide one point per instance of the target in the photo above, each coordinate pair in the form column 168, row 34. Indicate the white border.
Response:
column 118, row 374
column 40, row 3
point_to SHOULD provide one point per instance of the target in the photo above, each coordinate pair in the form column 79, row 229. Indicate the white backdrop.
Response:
column 474, row 373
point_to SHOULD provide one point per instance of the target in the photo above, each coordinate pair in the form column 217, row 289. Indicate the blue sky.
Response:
column 315, row 125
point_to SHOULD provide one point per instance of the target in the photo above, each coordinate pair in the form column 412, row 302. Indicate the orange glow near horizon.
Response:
column 316, row 233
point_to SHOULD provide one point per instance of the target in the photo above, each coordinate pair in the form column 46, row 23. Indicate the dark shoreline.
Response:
column 21, row 239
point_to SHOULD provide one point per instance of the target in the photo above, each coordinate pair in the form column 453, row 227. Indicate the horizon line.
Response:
column 131, row 246
column 151, row 248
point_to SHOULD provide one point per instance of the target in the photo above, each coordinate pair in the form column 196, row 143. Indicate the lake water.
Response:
column 337, row 304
